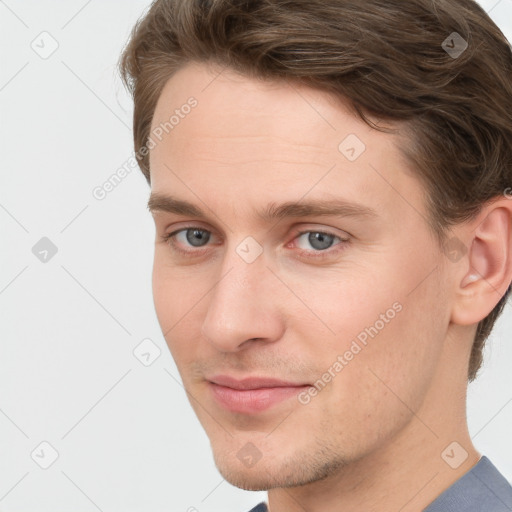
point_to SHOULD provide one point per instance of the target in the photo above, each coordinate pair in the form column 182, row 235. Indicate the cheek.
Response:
column 179, row 296
column 175, row 289
column 171, row 301
column 397, row 363
column 406, row 350
column 390, row 338
column 344, row 304
column 372, row 397
column 164, row 301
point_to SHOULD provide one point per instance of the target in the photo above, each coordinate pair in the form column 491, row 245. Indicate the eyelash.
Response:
column 318, row 254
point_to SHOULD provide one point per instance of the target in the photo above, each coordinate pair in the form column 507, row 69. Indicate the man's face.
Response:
column 289, row 297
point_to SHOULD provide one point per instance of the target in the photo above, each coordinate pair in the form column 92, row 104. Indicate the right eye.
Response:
column 191, row 236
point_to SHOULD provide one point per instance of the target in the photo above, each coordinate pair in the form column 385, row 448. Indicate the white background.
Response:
column 125, row 433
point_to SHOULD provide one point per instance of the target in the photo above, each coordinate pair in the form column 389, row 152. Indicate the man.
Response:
column 330, row 184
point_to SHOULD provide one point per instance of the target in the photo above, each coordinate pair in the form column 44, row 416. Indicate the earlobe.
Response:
column 488, row 264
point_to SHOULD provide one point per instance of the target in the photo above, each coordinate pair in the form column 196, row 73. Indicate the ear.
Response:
column 486, row 270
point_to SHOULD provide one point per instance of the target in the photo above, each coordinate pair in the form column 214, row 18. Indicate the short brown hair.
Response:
column 386, row 57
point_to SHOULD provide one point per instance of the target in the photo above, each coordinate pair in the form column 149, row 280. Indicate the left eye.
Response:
column 319, row 240
column 194, row 236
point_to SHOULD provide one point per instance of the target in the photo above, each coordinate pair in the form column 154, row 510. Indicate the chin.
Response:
column 270, row 473
column 251, row 479
column 259, row 477
column 250, row 483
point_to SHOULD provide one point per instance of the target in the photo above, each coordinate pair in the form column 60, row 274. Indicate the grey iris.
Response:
column 320, row 241
column 197, row 237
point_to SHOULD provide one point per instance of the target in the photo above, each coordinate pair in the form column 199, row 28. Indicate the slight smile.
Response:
column 252, row 394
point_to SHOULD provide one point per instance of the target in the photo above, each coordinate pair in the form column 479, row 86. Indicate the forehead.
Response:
column 254, row 139
column 230, row 104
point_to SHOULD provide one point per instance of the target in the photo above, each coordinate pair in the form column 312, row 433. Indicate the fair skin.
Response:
column 371, row 440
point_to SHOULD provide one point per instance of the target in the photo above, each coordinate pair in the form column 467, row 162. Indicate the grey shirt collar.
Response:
column 482, row 488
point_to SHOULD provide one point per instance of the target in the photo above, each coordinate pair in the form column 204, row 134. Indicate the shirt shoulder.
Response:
column 260, row 507
column 481, row 488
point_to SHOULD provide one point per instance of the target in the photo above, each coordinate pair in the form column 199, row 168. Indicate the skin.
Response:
column 371, row 439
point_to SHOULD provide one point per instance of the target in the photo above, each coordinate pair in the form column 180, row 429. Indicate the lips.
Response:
column 252, row 382
column 252, row 394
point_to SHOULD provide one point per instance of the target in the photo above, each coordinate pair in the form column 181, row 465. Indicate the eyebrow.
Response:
column 333, row 207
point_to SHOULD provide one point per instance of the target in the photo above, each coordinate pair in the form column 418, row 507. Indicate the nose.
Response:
column 243, row 305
